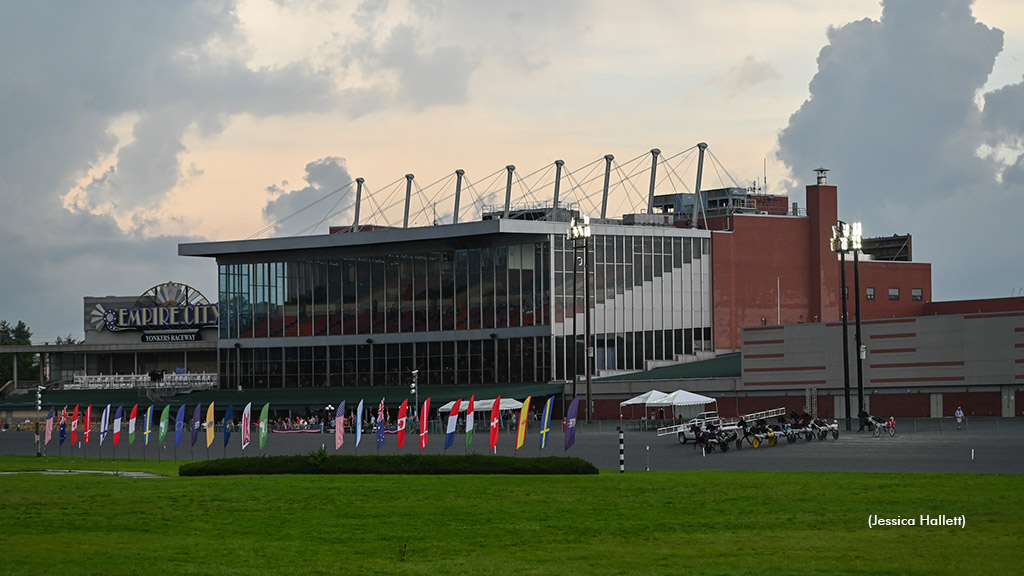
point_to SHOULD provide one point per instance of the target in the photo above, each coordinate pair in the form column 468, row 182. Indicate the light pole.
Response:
column 330, row 410
column 846, row 238
column 579, row 231
column 39, row 406
column 414, row 389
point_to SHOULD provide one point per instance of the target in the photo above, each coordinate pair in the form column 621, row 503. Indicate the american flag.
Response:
column 339, row 426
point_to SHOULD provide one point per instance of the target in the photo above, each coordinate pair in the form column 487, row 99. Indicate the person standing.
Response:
column 959, row 415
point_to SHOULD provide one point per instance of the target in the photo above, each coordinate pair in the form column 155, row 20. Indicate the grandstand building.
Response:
column 727, row 292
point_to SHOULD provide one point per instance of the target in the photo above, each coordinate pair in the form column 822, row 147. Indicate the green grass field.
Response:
column 634, row 523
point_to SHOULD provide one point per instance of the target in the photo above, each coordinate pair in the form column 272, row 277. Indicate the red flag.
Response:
column 495, row 421
column 403, row 411
column 423, row 423
column 74, row 425
column 88, row 423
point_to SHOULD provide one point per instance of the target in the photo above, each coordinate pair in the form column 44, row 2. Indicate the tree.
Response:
column 28, row 364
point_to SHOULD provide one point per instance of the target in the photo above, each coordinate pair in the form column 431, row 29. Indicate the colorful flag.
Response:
column 403, row 411
column 131, row 424
column 246, row 421
column 117, row 424
column 380, row 409
column 339, row 426
column 49, row 426
column 209, row 425
column 147, row 425
column 63, row 425
column 179, row 425
column 359, row 423
column 165, row 419
column 104, row 424
column 495, row 422
column 469, row 420
column 196, row 416
column 227, row 423
column 380, row 429
column 453, row 423
column 424, row 419
column 524, row 415
column 74, row 427
column 545, row 422
column 264, row 424
column 570, row 423
column 87, row 424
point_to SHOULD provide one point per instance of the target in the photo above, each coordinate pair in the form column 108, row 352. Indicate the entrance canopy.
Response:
column 483, row 405
column 645, row 398
column 681, row 398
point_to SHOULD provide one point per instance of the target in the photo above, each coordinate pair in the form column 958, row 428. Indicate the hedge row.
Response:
column 319, row 462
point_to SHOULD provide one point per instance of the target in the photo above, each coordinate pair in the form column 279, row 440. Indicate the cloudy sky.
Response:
column 127, row 128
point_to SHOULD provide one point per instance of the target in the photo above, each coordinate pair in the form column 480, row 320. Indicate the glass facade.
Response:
column 316, row 322
column 479, row 310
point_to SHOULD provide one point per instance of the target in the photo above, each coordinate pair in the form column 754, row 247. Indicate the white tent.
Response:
column 644, row 398
column 483, row 405
column 681, row 398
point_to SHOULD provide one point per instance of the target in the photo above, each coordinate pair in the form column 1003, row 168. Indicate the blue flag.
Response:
column 380, row 430
column 179, row 425
column 227, row 424
column 359, row 423
column 195, row 423
column 545, row 423
column 570, row 423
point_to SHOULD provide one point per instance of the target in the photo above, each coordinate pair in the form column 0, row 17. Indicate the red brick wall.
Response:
column 973, row 403
column 901, row 405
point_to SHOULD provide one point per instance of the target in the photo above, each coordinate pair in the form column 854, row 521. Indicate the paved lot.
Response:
column 927, row 450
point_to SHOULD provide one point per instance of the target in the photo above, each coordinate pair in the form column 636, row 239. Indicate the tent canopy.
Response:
column 483, row 405
column 644, row 398
column 682, row 398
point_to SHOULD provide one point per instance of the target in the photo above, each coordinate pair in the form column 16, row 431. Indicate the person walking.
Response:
column 959, row 415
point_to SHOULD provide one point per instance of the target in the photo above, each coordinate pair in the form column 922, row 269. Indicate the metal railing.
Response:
column 198, row 381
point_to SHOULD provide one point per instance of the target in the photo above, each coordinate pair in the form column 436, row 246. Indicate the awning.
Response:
column 645, row 398
column 682, row 398
column 483, row 405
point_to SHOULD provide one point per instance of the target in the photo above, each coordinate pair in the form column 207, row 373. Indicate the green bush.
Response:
column 318, row 462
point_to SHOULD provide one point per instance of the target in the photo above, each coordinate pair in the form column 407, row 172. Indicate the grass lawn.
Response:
column 719, row 522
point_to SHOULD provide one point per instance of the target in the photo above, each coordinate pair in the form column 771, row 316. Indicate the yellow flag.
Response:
column 523, row 415
column 209, row 425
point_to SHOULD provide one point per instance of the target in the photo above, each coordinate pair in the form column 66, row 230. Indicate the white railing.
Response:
column 199, row 381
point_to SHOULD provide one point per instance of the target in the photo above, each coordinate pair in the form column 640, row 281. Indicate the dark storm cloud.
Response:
column 893, row 112
column 69, row 71
column 326, row 198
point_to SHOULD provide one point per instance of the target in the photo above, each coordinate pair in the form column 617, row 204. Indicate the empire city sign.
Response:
column 168, row 312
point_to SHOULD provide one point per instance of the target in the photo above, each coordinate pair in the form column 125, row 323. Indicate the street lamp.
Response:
column 846, row 238
column 39, row 407
column 414, row 389
column 330, row 410
column 579, row 233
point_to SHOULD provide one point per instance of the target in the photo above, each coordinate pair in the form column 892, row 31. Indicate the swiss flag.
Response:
column 424, row 418
column 495, row 421
column 88, row 423
column 403, row 411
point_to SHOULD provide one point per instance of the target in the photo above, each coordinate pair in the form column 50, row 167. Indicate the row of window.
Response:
column 476, row 288
column 491, row 361
column 916, row 294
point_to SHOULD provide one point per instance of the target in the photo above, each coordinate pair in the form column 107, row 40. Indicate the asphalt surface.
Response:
column 989, row 452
